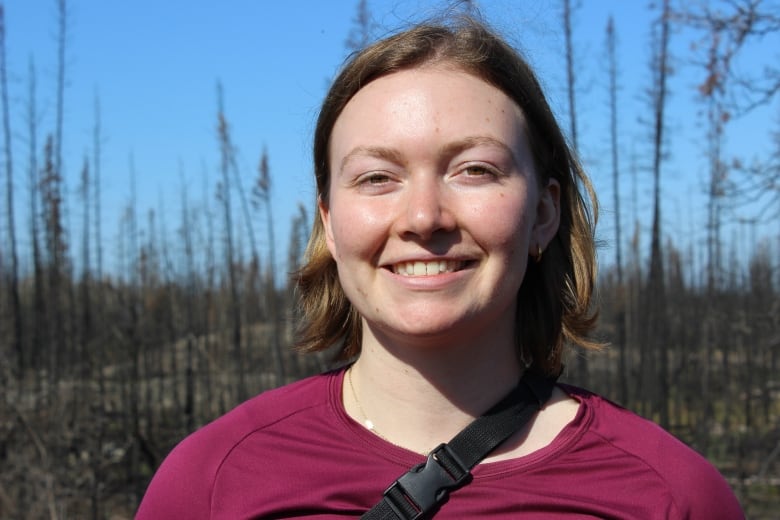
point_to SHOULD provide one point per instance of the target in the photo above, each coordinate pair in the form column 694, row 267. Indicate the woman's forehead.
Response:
column 424, row 110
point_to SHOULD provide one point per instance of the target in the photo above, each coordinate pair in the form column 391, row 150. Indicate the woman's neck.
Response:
column 422, row 395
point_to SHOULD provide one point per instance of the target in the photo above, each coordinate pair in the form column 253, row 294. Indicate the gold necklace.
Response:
column 368, row 423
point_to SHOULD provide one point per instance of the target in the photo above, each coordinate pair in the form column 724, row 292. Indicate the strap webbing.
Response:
column 418, row 493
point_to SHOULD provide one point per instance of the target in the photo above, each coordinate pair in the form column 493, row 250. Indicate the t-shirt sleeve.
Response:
column 693, row 489
column 703, row 493
column 181, row 487
column 186, row 484
column 700, row 492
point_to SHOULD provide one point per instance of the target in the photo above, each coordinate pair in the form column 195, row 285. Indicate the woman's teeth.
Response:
column 426, row 268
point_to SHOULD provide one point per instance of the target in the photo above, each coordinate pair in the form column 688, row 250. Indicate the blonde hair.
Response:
column 554, row 298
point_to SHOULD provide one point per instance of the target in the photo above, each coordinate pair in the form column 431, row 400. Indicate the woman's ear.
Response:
column 548, row 217
column 326, row 225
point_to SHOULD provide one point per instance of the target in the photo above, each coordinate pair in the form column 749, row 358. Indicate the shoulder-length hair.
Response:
column 554, row 300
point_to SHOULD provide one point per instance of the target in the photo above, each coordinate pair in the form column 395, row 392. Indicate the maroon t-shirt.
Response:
column 294, row 452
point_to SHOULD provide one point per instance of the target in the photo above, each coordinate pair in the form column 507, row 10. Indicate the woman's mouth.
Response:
column 430, row 268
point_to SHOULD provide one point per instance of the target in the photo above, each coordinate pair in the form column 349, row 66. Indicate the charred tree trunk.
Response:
column 51, row 191
column 84, row 363
column 262, row 193
column 225, row 197
column 190, row 292
column 33, row 356
column 98, row 356
column 656, row 326
column 621, row 297
column 62, row 25
column 17, row 340
column 360, row 34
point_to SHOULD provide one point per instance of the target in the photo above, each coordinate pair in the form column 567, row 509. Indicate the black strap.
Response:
column 419, row 492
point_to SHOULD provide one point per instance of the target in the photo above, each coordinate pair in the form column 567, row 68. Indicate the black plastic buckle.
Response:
column 428, row 484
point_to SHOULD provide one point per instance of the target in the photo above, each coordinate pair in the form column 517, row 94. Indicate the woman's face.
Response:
column 434, row 205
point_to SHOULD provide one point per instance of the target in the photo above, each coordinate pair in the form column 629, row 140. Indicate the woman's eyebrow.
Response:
column 379, row 152
column 461, row 145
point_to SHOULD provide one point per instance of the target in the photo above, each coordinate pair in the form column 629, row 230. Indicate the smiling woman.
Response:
column 555, row 299
column 451, row 260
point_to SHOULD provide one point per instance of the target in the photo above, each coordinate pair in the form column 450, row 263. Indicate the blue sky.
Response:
column 154, row 66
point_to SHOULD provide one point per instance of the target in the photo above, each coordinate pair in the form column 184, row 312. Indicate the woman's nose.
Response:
column 427, row 209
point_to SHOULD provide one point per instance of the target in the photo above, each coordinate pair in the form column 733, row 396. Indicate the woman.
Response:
column 453, row 253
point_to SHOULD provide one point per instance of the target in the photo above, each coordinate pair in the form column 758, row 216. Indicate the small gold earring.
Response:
column 538, row 257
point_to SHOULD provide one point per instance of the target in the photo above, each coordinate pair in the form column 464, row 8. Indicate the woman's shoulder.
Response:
column 697, row 487
column 263, row 410
column 627, row 431
column 185, row 479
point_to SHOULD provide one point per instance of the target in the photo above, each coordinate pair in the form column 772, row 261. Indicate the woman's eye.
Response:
column 477, row 171
column 374, row 179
